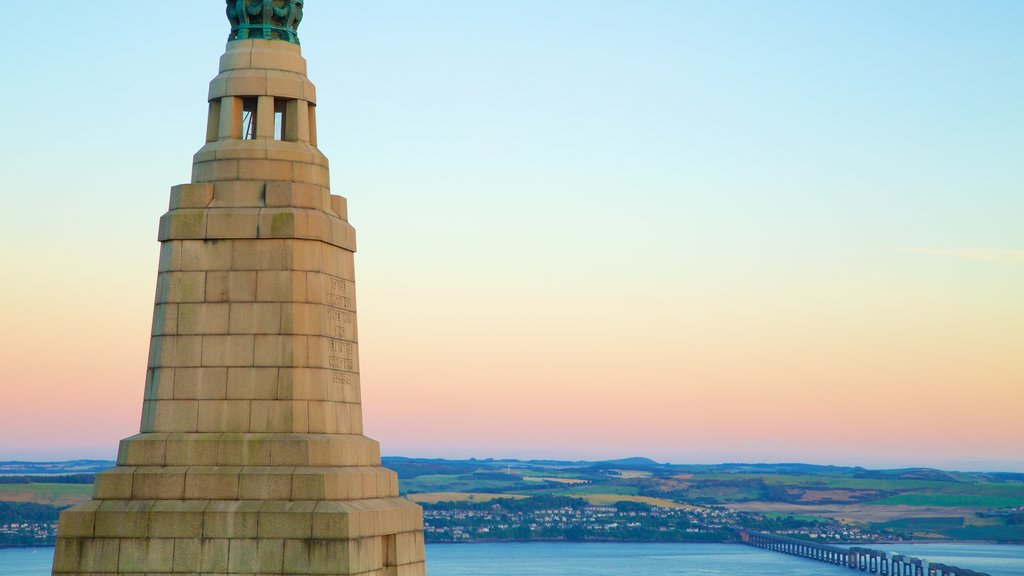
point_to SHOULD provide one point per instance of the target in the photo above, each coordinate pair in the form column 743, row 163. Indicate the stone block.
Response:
column 274, row 59
column 174, row 287
column 255, row 318
column 148, row 423
column 235, row 59
column 122, row 519
column 183, row 224
column 242, row 556
column 159, row 483
column 224, row 416
column 261, row 255
column 342, row 235
column 231, row 520
column 350, row 418
column 207, row 153
column 99, row 555
column 67, row 556
column 339, row 263
column 333, row 521
column 142, row 450
column 331, row 354
column 293, row 148
column 309, row 93
column 78, row 521
column 245, row 450
column 174, row 351
column 280, row 286
column 330, row 555
column 244, row 83
column 239, row 193
column 323, row 417
column 339, row 205
column 307, row 255
column 266, row 483
column 302, row 384
column 214, row 558
column 270, row 556
column 146, row 555
column 212, row 483
column 175, row 416
column 301, row 318
column 252, row 383
column 242, row 150
column 170, row 256
column 216, row 171
column 191, row 196
column 310, row 174
column 289, row 450
column 293, row 195
column 296, row 556
column 228, row 350
column 159, row 384
column 200, row 383
column 278, row 223
column 177, row 519
column 225, row 286
column 343, row 387
column 203, row 319
column 165, row 320
column 114, row 484
column 409, row 547
column 285, row 520
column 193, row 449
column 326, row 453
column 264, row 170
column 227, row 223
column 279, row 416
column 187, row 555
column 280, row 350
column 285, row 84
column 205, row 255
column 418, row 569
column 345, row 484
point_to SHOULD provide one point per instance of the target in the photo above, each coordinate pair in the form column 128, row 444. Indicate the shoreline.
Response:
column 659, row 542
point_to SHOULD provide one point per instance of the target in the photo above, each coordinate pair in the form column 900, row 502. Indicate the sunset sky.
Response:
column 698, row 231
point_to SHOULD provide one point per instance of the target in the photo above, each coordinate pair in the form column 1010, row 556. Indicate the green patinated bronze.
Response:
column 265, row 19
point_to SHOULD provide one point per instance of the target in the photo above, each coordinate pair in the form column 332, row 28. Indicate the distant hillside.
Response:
column 15, row 468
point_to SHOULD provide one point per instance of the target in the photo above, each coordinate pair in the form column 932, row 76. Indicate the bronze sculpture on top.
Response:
column 251, row 458
column 265, row 19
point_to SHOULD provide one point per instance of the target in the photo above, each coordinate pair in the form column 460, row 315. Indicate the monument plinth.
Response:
column 251, row 457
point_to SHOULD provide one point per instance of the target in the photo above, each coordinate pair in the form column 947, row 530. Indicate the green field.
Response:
column 952, row 500
column 935, row 524
column 51, row 494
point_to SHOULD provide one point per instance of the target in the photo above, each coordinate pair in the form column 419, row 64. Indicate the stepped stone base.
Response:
column 379, row 537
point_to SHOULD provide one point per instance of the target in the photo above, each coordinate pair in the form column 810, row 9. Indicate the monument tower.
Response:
column 251, row 457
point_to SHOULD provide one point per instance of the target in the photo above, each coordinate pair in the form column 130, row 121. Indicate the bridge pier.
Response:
column 862, row 559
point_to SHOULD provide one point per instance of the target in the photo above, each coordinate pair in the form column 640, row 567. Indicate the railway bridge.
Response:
column 857, row 558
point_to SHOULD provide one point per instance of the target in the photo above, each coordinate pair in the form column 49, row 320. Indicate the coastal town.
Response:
column 573, row 519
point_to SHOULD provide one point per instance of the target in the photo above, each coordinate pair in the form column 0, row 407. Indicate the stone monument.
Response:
column 251, row 457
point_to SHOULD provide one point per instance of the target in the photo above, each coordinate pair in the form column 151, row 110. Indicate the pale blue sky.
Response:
column 670, row 165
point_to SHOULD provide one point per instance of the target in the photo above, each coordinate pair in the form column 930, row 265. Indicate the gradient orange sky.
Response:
column 697, row 232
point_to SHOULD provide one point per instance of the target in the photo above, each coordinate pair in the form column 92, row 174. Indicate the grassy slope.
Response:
column 52, row 494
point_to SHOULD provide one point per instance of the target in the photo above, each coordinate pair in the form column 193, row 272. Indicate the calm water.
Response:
column 557, row 559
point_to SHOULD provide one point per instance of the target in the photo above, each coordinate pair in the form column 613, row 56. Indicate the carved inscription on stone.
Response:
column 342, row 355
column 340, row 294
column 341, row 324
